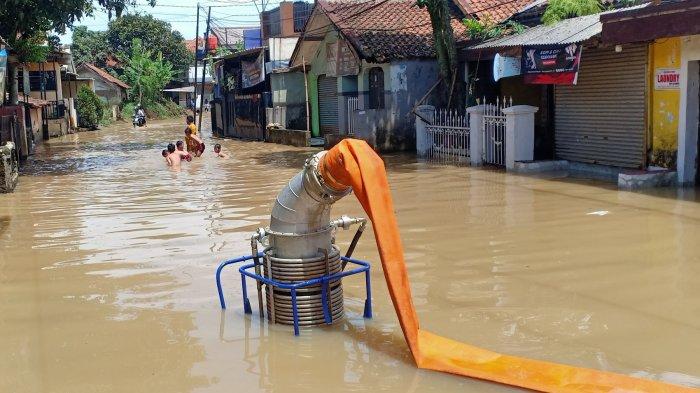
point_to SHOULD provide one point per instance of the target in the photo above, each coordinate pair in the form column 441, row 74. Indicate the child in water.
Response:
column 195, row 145
column 165, row 155
column 218, row 152
column 193, row 141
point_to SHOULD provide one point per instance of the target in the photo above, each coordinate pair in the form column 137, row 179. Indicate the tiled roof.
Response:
column 191, row 45
column 383, row 30
column 106, row 75
column 493, row 10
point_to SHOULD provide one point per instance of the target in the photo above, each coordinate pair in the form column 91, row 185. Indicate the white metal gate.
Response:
column 448, row 137
column 494, row 132
column 353, row 105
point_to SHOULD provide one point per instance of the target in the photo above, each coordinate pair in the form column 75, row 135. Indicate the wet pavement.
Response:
column 108, row 259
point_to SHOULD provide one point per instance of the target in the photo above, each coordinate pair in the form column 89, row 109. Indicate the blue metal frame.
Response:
column 324, row 280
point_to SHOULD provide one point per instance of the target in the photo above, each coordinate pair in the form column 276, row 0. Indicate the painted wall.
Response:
column 689, row 114
column 288, row 91
column 51, row 95
column 318, row 67
column 405, row 83
column 664, row 104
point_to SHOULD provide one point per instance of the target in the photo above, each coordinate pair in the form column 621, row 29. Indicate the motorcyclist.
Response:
column 140, row 115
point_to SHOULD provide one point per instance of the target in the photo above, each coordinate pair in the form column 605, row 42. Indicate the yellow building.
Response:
column 673, row 33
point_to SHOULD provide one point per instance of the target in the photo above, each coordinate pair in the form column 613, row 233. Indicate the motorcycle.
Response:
column 138, row 120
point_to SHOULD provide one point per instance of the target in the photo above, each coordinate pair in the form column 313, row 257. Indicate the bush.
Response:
column 128, row 111
column 89, row 108
column 106, row 114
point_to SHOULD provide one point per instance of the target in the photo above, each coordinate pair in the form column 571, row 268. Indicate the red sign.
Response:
column 667, row 79
column 551, row 64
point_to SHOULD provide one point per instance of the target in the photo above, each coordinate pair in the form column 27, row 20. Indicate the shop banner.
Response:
column 552, row 64
column 253, row 72
column 3, row 73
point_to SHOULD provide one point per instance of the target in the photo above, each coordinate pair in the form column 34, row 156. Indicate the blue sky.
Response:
column 181, row 14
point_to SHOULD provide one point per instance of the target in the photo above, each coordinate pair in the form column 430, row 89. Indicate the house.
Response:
column 671, row 32
column 242, row 95
column 615, row 112
column 111, row 90
column 367, row 63
column 45, row 81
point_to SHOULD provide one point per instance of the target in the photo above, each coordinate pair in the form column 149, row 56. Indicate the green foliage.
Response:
column 154, row 34
column 89, row 46
column 159, row 110
column 147, row 74
column 117, row 7
column 558, row 10
column 486, row 29
column 89, row 107
column 127, row 110
column 25, row 23
column 443, row 35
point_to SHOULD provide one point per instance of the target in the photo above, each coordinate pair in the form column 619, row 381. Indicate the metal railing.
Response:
column 448, row 137
column 55, row 110
column 494, row 132
column 352, row 105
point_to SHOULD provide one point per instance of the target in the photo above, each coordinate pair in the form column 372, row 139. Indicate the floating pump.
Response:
column 300, row 266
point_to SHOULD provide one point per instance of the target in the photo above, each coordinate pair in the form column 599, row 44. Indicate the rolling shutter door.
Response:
column 328, row 104
column 601, row 120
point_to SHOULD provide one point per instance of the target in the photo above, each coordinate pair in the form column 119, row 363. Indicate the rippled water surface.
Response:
column 107, row 274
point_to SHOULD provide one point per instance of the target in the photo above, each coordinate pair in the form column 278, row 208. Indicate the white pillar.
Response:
column 520, row 134
column 476, row 135
column 426, row 112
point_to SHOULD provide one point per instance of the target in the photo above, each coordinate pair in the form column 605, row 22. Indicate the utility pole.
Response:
column 196, row 47
column 204, row 71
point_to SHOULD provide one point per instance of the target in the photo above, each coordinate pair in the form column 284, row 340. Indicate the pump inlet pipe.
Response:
column 352, row 164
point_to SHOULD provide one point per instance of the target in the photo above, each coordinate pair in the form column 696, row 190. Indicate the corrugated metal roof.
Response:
column 565, row 32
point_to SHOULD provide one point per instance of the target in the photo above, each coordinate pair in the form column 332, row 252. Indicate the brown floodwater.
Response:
column 108, row 259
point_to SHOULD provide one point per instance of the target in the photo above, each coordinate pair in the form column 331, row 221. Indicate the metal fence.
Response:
column 55, row 110
column 494, row 132
column 352, row 105
column 448, row 137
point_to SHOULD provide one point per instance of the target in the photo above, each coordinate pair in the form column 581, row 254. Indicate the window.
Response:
column 376, row 88
column 35, row 80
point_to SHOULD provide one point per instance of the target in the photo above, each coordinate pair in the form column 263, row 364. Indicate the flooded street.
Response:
column 108, row 260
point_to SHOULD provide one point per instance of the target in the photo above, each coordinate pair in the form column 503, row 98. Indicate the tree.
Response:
column 89, row 46
column 558, row 10
column 89, row 107
column 26, row 23
column 443, row 37
column 147, row 74
column 154, row 34
column 117, row 7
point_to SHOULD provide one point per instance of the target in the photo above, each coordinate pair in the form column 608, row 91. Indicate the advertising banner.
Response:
column 551, row 64
column 253, row 72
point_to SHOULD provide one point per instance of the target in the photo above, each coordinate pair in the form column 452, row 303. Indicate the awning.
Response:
column 669, row 19
column 186, row 89
column 567, row 31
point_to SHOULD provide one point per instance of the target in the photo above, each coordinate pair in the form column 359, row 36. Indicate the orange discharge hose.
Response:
column 353, row 163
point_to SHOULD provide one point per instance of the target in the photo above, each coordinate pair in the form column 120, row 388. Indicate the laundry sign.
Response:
column 667, row 79
column 551, row 64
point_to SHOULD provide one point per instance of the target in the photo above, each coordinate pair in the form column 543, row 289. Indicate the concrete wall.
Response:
column 405, row 83
column 689, row 109
column 108, row 92
column 664, row 104
column 299, row 138
column 288, row 91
